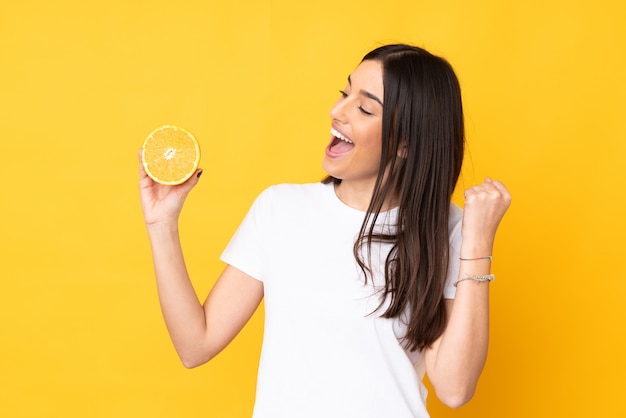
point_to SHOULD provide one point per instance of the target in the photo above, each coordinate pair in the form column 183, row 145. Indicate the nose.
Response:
column 338, row 111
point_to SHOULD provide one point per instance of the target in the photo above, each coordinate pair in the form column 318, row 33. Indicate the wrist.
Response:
column 477, row 240
column 484, row 253
column 160, row 227
column 472, row 247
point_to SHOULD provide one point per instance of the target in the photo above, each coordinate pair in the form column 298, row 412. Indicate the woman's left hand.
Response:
column 485, row 205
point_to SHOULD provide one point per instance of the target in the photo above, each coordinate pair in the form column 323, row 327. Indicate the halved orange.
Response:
column 170, row 155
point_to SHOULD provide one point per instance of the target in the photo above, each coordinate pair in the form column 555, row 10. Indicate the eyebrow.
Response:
column 367, row 93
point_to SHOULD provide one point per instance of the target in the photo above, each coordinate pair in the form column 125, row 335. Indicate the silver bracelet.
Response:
column 485, row 278
column 485, row 257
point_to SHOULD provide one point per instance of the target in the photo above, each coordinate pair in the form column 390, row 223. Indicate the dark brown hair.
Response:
column 422, row 147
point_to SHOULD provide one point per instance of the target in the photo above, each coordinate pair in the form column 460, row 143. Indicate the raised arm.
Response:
column 455, row 361
column 198, row 331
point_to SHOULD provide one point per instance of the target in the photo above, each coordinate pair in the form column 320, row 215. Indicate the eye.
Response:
column 365, row 112
column 343, row 93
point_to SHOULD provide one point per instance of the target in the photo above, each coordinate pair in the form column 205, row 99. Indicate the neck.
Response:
column 358, row 195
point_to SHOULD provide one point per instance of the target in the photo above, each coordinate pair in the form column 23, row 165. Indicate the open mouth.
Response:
column 339, row 144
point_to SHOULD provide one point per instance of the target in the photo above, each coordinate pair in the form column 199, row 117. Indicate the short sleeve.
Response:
column 454, row 230
column 245, row 250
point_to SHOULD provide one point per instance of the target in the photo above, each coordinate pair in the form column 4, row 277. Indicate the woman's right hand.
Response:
column 198, row 331
column 161, row 203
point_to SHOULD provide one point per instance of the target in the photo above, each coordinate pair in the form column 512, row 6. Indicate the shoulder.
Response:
column 455, row 220
column 292, row 205
column 456, row 214
column 286, row 193
column 296, row 188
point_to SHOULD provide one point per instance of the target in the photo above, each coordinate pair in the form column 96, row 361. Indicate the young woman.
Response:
column 372, row 277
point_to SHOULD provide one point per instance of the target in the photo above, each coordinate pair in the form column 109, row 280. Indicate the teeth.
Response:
column 339, row 135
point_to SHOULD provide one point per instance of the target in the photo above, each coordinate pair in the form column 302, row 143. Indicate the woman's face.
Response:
column 354, row 151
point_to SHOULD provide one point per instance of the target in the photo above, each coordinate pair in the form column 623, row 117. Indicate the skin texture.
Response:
column 359, row 117
column 199, row 331
column 456, row 359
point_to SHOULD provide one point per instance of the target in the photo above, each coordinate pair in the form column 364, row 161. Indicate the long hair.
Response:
column 422, row 152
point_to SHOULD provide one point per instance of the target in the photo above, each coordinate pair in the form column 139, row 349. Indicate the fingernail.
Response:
column 199, row 174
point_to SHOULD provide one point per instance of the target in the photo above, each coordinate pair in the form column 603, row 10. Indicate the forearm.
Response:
column 456, row 360
column 183, row 313
column 462, row 350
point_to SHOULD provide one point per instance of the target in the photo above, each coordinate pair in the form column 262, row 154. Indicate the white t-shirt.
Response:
column 326, row 352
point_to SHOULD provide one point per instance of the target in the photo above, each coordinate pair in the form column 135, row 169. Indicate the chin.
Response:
column 332, row 174
column 328, row 168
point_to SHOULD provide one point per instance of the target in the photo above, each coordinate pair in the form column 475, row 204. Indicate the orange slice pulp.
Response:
column 170, row 155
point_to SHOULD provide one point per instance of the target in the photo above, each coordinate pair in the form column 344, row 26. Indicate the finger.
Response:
column 503, row 190
column 196, row 177
column 144, row 180
column 483, row 191
column 470, row 191
column 479, row 188
column 191, row 182
column 142, row 171
column 498, row 185
column 140, row 159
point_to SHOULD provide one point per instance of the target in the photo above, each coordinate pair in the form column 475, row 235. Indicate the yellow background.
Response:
column 82, row 84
